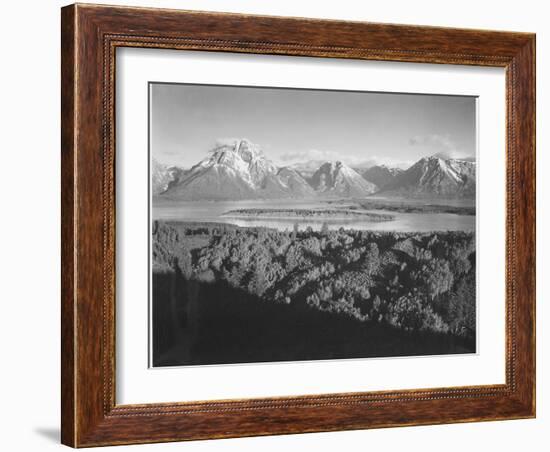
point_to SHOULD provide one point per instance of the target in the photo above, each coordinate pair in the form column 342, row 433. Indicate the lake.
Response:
column 211, row 211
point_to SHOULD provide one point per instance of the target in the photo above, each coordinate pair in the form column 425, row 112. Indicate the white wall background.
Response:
column 30, row 263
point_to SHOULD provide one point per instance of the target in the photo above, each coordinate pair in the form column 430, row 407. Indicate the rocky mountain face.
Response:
column 299, row 186
column 164, row 176
column 235, row 170
column 338, row 179
column 433, row 176
column 380, row 175
column 238, row 170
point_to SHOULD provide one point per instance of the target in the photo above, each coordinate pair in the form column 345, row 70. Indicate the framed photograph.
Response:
column 281, row 225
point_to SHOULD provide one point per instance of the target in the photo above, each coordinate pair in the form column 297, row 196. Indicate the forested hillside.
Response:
column 401, row 290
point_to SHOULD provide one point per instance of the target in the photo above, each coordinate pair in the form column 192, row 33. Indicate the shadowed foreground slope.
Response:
column 223, row 294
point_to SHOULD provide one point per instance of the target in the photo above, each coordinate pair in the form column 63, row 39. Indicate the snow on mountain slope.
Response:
column 338, row 179
column 433, row 176
column 237, row 169
column 296, row 183
column 163, row 176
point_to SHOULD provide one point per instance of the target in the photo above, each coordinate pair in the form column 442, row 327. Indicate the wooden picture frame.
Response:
column 90, row 35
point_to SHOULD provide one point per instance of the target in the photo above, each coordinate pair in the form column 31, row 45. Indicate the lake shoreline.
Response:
column 346, row 213
column 320, row 214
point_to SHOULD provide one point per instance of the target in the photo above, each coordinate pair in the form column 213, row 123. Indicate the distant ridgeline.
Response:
column 238, row 170
column 413, row 282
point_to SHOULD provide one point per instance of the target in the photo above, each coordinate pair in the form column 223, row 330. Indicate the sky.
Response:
column 296, row 125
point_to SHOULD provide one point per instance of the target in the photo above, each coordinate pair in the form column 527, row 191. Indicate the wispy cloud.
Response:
column 311, row 154
column 442, row 146
column 443, row 141
column 317, row 155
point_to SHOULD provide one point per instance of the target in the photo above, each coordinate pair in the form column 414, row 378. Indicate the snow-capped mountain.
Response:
column 163, row 176
column 433, row 176
column 237, row 169
column 380, row 175
column 338, row 179
column 299, row 186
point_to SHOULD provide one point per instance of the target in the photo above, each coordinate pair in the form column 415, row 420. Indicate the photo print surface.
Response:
column 294, row 224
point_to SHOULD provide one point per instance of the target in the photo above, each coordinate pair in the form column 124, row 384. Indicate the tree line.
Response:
column 412, row 281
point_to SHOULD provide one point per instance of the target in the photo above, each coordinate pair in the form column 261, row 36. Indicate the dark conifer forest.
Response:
column 229, row 294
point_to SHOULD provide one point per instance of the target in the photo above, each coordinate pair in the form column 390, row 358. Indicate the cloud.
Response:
column 443, row 141
column 320, row 156
column 441, row 146
column 311, row 154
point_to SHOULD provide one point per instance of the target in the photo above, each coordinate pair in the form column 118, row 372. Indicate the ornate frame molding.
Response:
column 90, row 37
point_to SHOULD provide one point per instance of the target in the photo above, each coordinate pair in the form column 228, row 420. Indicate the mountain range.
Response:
column 435, row 177
column 238, row 170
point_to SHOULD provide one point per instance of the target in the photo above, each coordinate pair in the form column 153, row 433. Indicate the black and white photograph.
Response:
column 302, row 224
column 275, row 226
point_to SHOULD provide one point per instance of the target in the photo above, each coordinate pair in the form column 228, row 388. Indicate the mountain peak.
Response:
column 431, row 158
column 449, row 156
column 164, row 176
column 242, row 147
column 435, row 176
column 334, row 166
column 236, row 168
column 338, row 179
